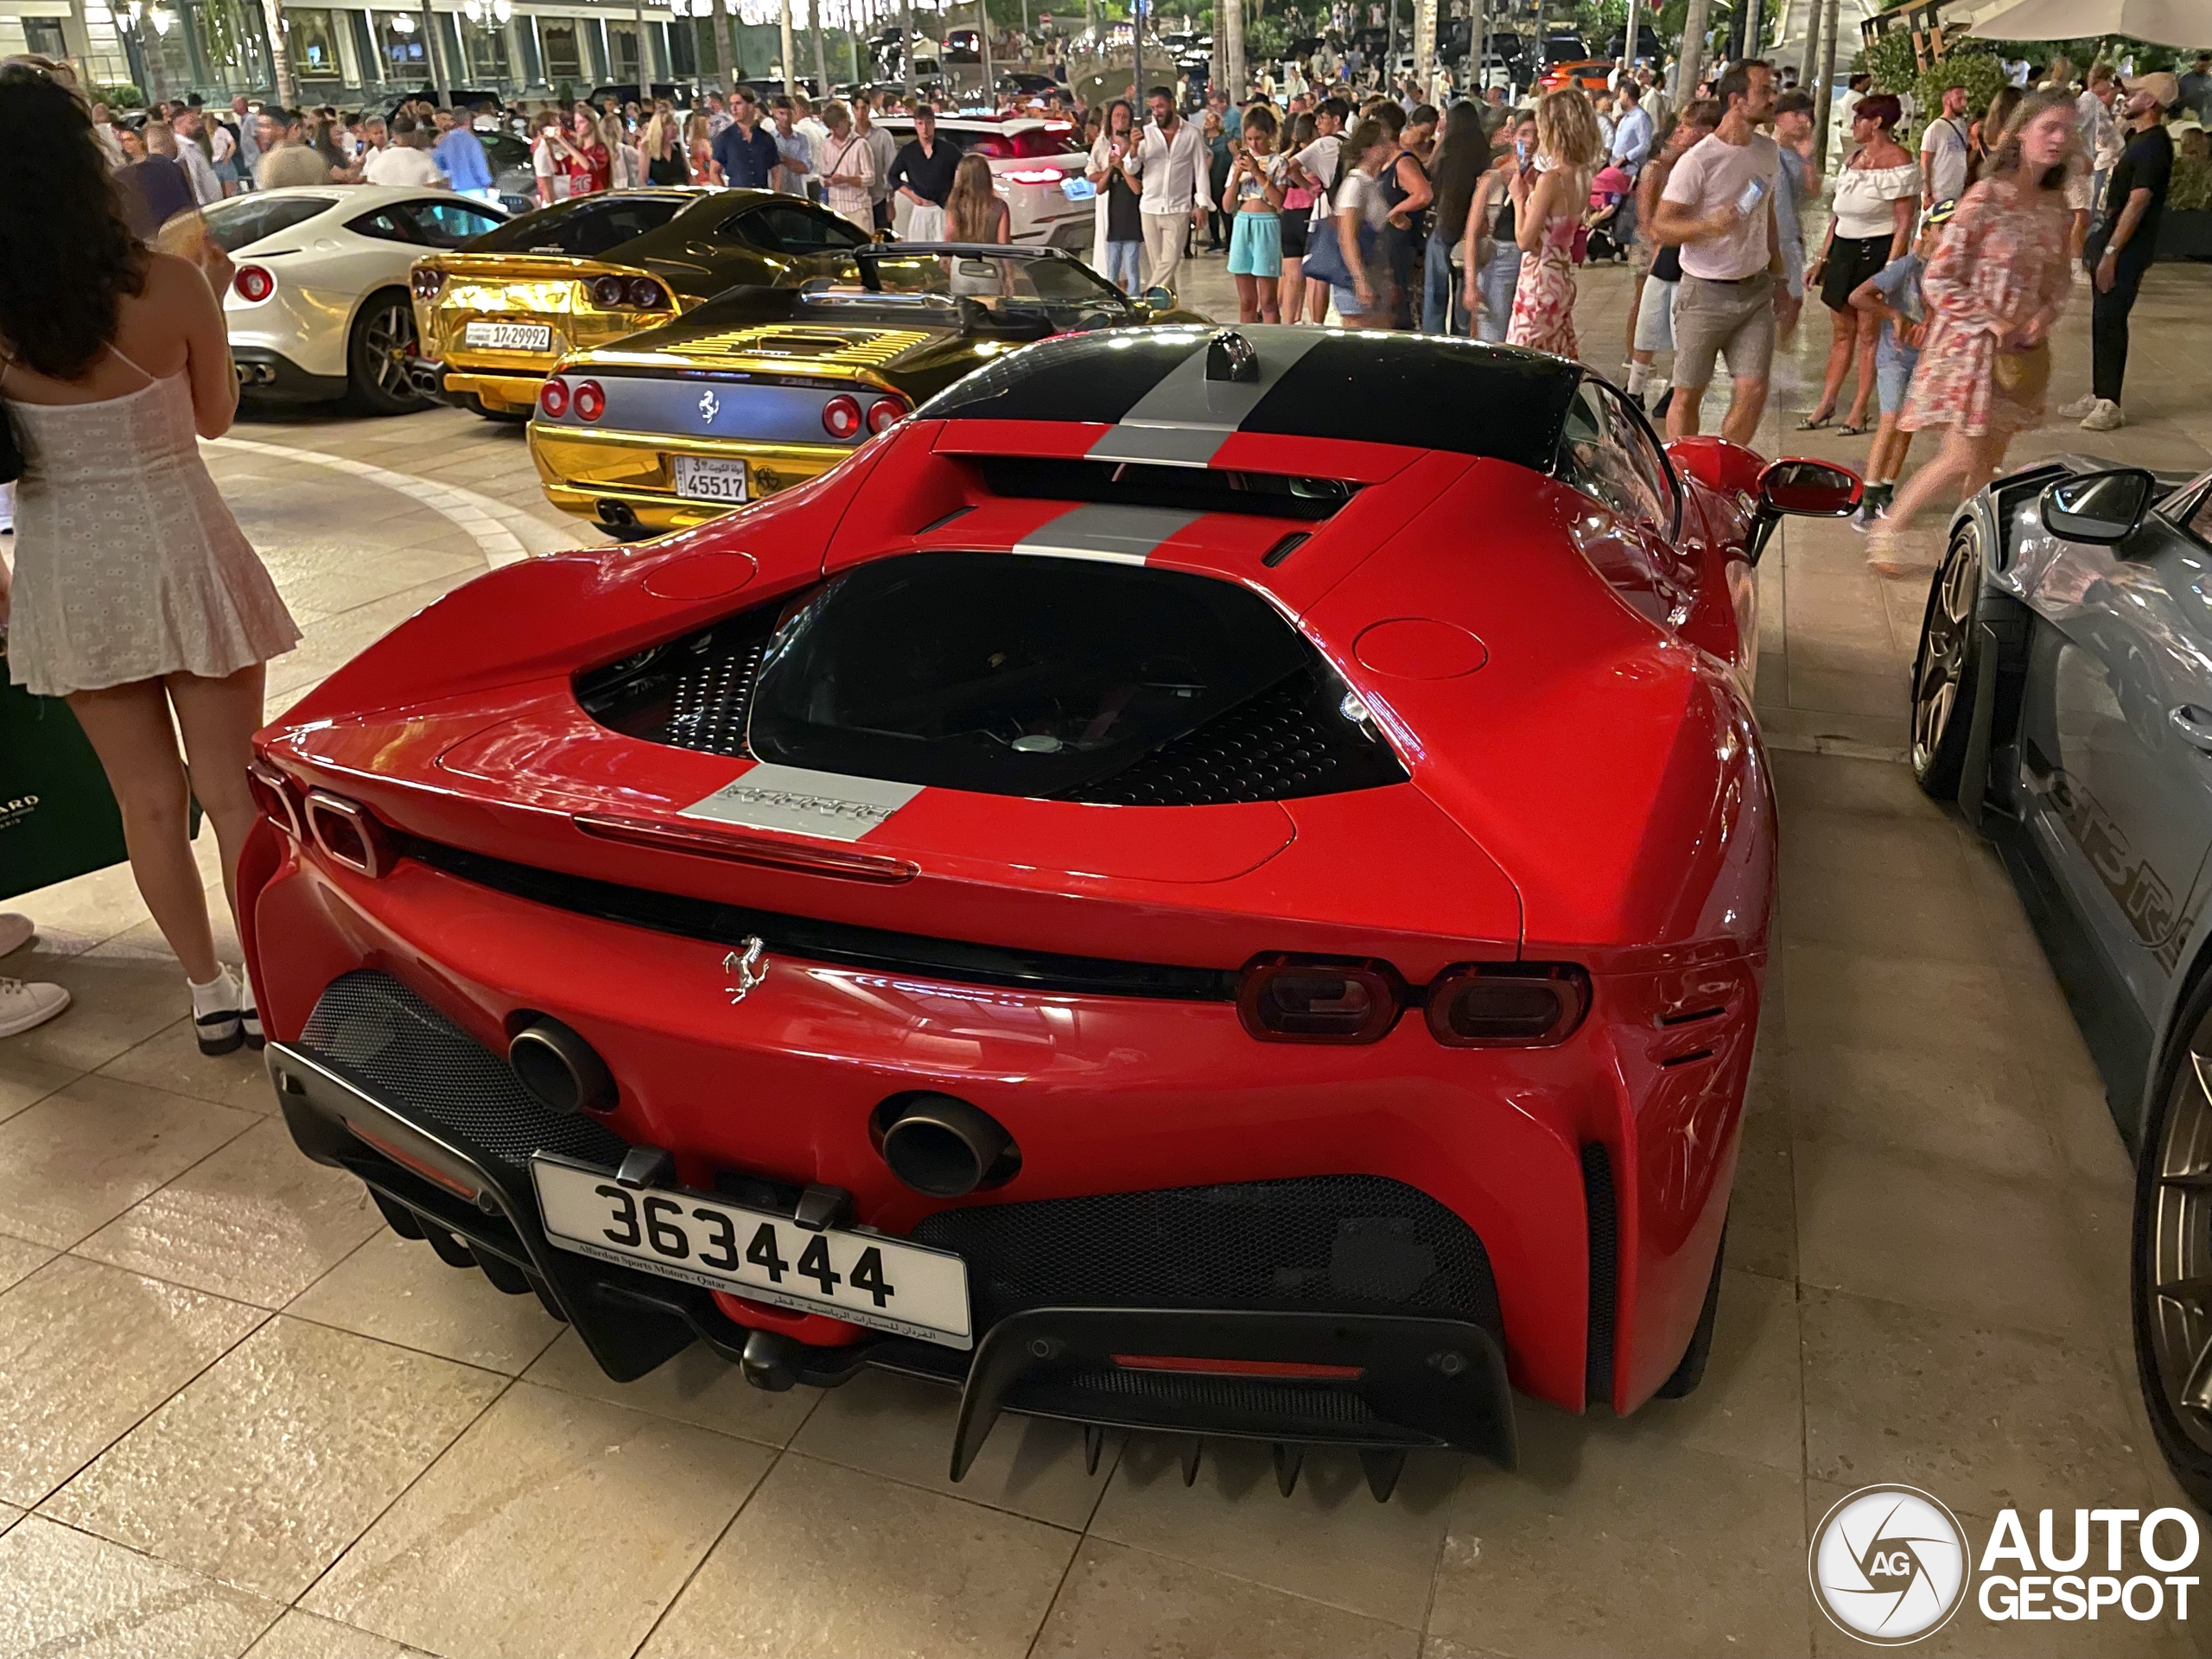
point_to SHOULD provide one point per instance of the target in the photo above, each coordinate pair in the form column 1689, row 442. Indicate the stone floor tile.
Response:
column 1939, row 1236
column 9, row 1515
column 1600, row 1545
column 1330, row 1540
column 1984, row 1114
column 2088, row 1138
column 303, row 1635
column 1863, row 909
column 1751, row 1403
column 827, row 1561
column 1874, row 846
column 63, row 1592
column 263, row 1469
column 1839, row 996
column 698, row 1386
column 1983, row 1416
column 90, row 1151
column 119, row 999
column 171, row 1059
column 1126, row 1604
column 397, row 1290
column 902, row 1427
column 25, row 1081
column 84, row 1352
column 1826, row 783
column 257, row 1221
column 19, row 1259
column 71, row 917
column 1762, row 1212
column 613, row 1507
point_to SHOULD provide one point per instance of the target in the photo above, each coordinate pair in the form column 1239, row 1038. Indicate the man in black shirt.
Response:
column 747, row 157
column 2134, row 202
column 921, row 174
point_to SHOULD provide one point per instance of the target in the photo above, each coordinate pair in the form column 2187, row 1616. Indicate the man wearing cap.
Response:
column 2123, row 246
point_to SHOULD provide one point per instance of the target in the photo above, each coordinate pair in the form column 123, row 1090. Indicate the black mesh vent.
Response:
column 373, row 1031
column 692, row 693
column 1284, row 743
column 1341, row 1243
column 1605, row 1247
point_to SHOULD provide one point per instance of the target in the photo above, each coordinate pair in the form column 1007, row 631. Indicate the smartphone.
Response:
column 1753, row 194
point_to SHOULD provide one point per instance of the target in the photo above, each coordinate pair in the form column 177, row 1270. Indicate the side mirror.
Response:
column 1814, row 489
column 1157, row 298
column 2099, row 508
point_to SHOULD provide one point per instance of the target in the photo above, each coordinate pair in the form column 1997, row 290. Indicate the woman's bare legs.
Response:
column 1962, row 467
column 219, row 719
column 1863, row 355
column 130, row 729
column 1248, row 298
column 1269, row 311
column 1841, row 341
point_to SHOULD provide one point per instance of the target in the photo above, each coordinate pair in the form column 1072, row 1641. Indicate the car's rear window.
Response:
column 244, row 220
column 589, row 228
column 1054, row 677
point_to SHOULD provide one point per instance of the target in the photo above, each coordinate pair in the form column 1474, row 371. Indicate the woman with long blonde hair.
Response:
column 1995, row 286
column 699, row 145
column 1546, row 219
column 973, row 212
column 662, row 145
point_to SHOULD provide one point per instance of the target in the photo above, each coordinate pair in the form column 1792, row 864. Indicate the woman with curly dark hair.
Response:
column 136, row 595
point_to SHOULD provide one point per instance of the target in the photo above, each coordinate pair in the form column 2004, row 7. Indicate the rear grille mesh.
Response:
column 1271, row 748
column 694, row 693
column 1337, row 1243
column 372, row 1030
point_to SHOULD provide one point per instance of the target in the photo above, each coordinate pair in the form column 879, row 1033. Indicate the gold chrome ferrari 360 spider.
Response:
column 495, row 316
column 761, row 389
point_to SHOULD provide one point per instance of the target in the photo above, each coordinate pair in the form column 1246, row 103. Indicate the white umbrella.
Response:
column 2165, row 23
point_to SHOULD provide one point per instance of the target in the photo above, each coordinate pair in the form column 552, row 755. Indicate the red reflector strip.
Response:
column 408, row 1161
column 750, row 849
column 1238, row 1367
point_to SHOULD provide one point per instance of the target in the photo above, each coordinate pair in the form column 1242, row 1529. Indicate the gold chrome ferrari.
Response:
column 496, row 316
column 764, row 388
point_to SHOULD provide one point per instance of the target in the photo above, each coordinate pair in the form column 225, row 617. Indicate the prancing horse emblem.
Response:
column 746, row 968
column 709, row 406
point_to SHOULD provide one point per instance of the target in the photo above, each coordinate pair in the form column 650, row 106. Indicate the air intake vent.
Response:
column 692, row 693
column 1183, row 489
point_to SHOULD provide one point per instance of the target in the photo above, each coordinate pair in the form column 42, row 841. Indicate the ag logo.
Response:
column 1888, row 1565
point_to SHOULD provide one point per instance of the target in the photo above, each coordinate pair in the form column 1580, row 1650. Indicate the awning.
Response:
column 2165, row 23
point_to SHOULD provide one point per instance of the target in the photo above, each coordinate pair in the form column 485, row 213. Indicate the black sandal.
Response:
column 1848, row 430
column 1815, row 423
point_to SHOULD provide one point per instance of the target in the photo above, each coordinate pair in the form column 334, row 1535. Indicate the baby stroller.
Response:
column 1609, row 230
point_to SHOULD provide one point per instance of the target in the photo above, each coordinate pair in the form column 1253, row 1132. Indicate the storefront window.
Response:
column 486, row 48
column 313, row 38
column 562, row 60
column 399, row 48
column 230, row 42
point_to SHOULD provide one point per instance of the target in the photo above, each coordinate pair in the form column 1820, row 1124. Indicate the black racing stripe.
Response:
column 1092, row 377
column 1460, row 396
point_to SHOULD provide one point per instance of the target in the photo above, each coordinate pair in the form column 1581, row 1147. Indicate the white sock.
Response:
column 218, row 995
column 1638, row 374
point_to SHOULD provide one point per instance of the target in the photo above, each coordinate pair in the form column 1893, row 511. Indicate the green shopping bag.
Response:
column 57, row 818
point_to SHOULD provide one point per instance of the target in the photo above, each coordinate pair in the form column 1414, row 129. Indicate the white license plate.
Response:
column 703, row 1240
column 1078, row 190
column 710, row 478
column 508, row 336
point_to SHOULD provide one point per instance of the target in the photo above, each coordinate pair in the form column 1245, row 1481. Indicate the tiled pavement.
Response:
column 236, row 1415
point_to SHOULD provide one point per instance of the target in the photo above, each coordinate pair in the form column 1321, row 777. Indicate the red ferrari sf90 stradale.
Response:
column 1214, row 881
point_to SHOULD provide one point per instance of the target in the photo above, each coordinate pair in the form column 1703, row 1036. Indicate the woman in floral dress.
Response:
column 1547, row 209
column 1996, row 284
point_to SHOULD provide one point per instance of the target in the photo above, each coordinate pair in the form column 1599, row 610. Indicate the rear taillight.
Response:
column 644, row 293
column 885, row 413
column 553, row 398
column 1507, row 1005
column 608, row 292
column 346, row 834
column 253, row 283
column 426, row 281
column 841, row 417
column 1301, row 999
column 589, row 400
column 277, row 795
column 1032, row 176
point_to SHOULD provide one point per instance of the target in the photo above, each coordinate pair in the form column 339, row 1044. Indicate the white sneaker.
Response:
column 2105, row 417
column 2079, row 408
column 25, row 1003
column 16, row 930
column 216, row 1013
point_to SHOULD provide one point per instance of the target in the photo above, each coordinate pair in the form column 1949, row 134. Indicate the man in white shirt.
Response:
column 1315, row 168
column 1171, row 158
column 1943, row 151
column 1631, row 130
column 406, row 160
column 2102, row 136
column 1719, row 208
column 206, row 183
column 796, row 171
column 881, row 147
column 718, row 115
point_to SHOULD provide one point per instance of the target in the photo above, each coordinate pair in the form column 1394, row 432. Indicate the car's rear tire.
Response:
column 1691, row 1372
column 376, row 351
column 2171, row 1252
column 1944, row 668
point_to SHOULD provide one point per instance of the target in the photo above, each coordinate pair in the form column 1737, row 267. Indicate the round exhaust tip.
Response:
column 946, row 1148
column 563, row 1072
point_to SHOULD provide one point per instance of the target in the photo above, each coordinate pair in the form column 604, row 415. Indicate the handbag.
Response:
column 1324, row 255
column 57, row 818
column 2022, row 375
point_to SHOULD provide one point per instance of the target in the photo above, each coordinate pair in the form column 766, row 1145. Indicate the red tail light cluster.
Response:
column 611, row 293
column 253, row 283
column 553, row 398
column 841, row 417
column 885, row 413
column 1286, row 999
column 426, row 281
column 344, row 832
column 587, row 399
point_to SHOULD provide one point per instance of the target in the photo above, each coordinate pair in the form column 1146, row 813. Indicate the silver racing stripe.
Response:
column 1185, row 418
column 1113, row 535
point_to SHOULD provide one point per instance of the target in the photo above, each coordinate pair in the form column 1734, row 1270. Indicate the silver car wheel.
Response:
column 1941, row 672
column 388, row 338
column 2176, row 1278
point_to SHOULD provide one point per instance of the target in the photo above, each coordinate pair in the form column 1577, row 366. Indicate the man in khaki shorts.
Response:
column 1719, row 208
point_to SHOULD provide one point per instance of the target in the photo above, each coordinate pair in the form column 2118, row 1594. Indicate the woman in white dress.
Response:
column 135, row 596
